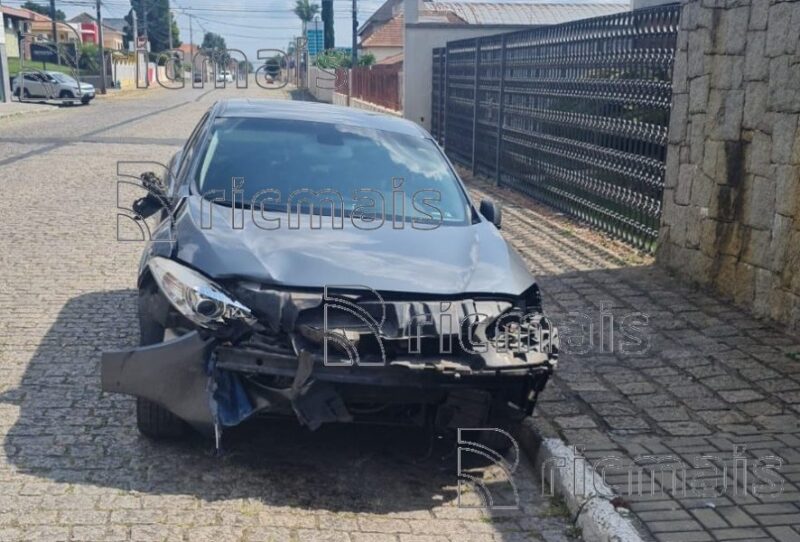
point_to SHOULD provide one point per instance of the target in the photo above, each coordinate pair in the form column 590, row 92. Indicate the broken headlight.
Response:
column 197, row 297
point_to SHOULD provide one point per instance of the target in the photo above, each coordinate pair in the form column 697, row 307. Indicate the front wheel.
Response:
column 157, row 422
column 67, row 96
column 152, row 419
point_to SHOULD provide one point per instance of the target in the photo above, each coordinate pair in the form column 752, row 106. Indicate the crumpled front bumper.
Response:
column 174, row 374
column 207, row 384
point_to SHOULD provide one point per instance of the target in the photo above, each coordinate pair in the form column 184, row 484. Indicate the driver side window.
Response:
column 190, row 147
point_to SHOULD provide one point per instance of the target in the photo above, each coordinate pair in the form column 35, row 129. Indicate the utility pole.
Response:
column 55, row 32
column 191, row 49
column 169, row 32
column 135, row 31
column 354, row 52
column 144, row 20
column 102, row 52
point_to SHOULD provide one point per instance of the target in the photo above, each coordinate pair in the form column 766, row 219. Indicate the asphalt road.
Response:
column 72, row 465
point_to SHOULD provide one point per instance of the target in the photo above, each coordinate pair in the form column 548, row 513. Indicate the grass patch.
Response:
column 557, row 508
column 14, row 63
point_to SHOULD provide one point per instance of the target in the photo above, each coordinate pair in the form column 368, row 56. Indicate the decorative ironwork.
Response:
column 575, row 115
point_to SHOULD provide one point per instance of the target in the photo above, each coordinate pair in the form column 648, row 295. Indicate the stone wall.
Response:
column 731, row 217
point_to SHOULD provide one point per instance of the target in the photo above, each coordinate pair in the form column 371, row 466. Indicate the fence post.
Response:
column 475, row 104
column 501, row 100
column 349, row 85
column 443, row 125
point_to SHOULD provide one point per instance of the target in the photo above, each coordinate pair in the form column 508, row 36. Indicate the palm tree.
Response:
column 305, row 11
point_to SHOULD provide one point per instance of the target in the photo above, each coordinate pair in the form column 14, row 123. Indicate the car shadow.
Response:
column 69, row 431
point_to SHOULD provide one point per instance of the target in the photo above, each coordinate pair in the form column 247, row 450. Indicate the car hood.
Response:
column 448, row 260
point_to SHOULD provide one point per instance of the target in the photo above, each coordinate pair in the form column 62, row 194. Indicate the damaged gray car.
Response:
column 326, row 263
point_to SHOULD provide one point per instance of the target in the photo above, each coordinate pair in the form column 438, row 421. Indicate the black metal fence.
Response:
column 575, row 115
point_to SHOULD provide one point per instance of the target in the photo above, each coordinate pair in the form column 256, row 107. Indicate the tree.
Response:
column 215, row 45
column 305, row 11
column 327, row 21
column 366, row 60
column 44, row 10
column 159, row 24
column 176, row 42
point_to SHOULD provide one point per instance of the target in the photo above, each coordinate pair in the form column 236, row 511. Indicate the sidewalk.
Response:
column 709, row 382
column 14, row 108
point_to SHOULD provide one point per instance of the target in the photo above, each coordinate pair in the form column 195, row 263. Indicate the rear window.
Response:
column 296, row 160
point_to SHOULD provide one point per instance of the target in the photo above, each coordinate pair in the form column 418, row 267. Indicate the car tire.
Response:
column 157, row 422
column 26, row 94
column 67, row 96
column 152, row 419
column 495, row 440
column 499, row 418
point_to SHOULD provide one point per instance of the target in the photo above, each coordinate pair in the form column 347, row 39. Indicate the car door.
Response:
column 33, row 84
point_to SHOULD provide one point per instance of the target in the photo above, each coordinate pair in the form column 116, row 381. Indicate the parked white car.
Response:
column 224, row 76
column 51, row 86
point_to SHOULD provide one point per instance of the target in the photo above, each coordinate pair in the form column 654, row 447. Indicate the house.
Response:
column 383, row 32
column 88, row 28
column 194, row 56
column 16, row 22
column 383, row 40
column 431, row 24
column 41, row 29
column 117, row 23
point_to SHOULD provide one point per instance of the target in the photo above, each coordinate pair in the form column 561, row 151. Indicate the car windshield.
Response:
column 61, row 78
column 276, row 163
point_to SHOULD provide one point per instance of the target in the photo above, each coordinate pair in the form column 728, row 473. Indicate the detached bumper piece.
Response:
column 173, row 374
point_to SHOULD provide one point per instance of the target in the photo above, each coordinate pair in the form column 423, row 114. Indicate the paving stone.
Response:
column 738, row 534
column 736, row 516
column 668, row 414
column 709, row 518
column 741, row 396
column 575, row 422
column 684, row 428
column 691, row 536
column 784, row 534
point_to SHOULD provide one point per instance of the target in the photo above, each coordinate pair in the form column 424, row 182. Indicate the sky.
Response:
column 247, row 25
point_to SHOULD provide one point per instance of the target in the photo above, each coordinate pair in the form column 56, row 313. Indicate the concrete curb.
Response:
column 559, row 466
column 26, row 112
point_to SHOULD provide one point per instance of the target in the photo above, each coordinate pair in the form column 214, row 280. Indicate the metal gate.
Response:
column 575, row 115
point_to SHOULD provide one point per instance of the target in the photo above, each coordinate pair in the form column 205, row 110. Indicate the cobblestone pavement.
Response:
column 72, row 466
column 711, row 378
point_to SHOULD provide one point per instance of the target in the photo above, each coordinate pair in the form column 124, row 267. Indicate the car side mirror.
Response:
column 156, row 198
column 491, row 212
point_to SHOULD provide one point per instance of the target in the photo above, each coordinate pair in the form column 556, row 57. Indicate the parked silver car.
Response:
column 51, row 85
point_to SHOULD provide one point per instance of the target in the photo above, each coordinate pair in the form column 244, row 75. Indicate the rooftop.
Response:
column 534, row 13
column 301, row 111
column 520, row 13
column 17, row 13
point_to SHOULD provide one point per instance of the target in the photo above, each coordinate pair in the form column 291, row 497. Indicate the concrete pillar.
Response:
column 5, row 90
column 411, row 9
column 641, row 4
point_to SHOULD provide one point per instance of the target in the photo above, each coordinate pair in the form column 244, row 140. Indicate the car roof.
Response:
column 315, row 112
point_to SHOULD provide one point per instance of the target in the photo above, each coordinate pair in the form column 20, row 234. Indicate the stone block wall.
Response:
column 731, row 212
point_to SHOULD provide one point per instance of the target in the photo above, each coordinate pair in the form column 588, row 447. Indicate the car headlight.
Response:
column 197, row 297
